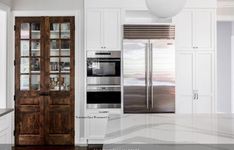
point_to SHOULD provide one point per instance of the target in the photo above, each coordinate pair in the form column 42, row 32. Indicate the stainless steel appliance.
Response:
column 149, row 69
column 103, row 97
column 103, row 68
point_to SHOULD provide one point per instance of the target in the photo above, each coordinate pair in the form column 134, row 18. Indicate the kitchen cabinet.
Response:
column 44, row 80
column 194, row 82
column 96, row 124
column 6, row 132
column 195, row 29
column 103, row 29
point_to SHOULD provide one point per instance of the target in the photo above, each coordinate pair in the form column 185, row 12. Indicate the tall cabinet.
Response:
column 195, row 61
column 44, row 75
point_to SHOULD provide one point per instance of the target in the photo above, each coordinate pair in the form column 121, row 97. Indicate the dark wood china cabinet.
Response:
column 44, row 80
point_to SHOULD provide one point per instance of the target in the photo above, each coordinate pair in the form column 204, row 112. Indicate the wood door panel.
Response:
column 29, row 101
column 59, row 118
column 66, row 139
column 62, row 98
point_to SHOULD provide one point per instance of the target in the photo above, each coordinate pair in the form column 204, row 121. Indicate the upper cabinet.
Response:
column 195, row 29
column 103, row 29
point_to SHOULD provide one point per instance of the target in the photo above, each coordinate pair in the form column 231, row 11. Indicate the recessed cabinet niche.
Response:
column 44, row 75
column 103, row 29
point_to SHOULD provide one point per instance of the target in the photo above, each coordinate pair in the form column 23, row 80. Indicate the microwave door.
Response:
column 163, row 76
column 135, row 53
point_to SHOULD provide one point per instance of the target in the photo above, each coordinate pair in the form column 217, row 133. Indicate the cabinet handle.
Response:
column 194, row 96
column 103, row 112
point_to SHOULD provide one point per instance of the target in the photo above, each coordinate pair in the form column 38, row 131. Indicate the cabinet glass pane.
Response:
column 65, row 82
column 54, row 30
column 24, row 65
column 65, row 30
column 24, row 47
column 65, row 44
column 65, row 65
column 65, row 52
column 54, row 65
column 35, row 31
column 35, row 65
column 35, row 48
column 54, row 82
column 35, row 79
column 54, row 48
column 24, row 33
column 24, row 82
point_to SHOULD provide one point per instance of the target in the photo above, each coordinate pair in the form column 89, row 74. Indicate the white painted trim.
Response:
column 232, row 72
column 225, row 17
column 78, row 49
column 225, row 4
column 3, row 56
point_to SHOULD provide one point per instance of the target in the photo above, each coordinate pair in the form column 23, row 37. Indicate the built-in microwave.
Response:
column 103, row 68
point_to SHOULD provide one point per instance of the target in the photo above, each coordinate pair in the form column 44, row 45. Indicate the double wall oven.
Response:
column 103, row 79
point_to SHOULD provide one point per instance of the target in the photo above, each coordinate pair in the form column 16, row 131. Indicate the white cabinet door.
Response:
column 184, row 82
column 203, row 29
column 204, row 82
column 94, row 29
column 112, row 29
column 96, row 126
column 103, row 29
column 195, row 29
column 184, row 30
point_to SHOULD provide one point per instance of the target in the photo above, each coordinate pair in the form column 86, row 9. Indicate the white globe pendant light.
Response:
column 165, row 8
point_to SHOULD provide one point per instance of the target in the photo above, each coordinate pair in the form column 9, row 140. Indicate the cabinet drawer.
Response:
column 5, row 122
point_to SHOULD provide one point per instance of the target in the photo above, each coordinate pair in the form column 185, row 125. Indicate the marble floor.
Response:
column 170, row 129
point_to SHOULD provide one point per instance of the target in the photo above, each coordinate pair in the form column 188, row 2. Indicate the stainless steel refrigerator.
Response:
column 149, row 69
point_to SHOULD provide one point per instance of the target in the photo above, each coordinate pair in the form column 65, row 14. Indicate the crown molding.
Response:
column 225, row 4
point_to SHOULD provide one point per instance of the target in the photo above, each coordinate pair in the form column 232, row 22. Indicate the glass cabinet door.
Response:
column 60, row 52
column 30, row 56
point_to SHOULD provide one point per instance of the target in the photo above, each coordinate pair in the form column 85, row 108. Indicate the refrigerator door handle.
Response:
column 147, row 74
column 151, row 75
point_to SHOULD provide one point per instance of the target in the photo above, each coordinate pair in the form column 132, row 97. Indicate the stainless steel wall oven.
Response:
column 103, row 68
column 103, row 97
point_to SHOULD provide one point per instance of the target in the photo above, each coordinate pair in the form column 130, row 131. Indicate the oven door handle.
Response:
column 101, row 60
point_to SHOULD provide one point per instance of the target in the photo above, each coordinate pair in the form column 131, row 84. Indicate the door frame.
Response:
column 78, row 56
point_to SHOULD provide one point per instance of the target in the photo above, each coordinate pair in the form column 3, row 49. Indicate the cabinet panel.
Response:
column 111, row 29
column 195, row 73
column 94, row 29
column 184, row 82
column 184, row 73
column 97, row 124
column 184, row 104
column 204, row 73
column 184, row 39
column 203, row 29
column 203, row 104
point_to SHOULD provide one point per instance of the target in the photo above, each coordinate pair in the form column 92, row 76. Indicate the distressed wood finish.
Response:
column 44, row 117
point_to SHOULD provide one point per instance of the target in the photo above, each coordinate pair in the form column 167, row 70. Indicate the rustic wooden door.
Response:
column 44, row 75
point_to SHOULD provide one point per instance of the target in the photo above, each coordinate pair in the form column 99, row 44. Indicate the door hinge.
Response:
column 14, row 132
column 14, row 97
column 14, row 27
column 14, row 62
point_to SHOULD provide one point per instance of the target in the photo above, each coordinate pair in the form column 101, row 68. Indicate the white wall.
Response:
column 3, row 50
column 6, row 2
column 47, row 4
column 224, row 32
